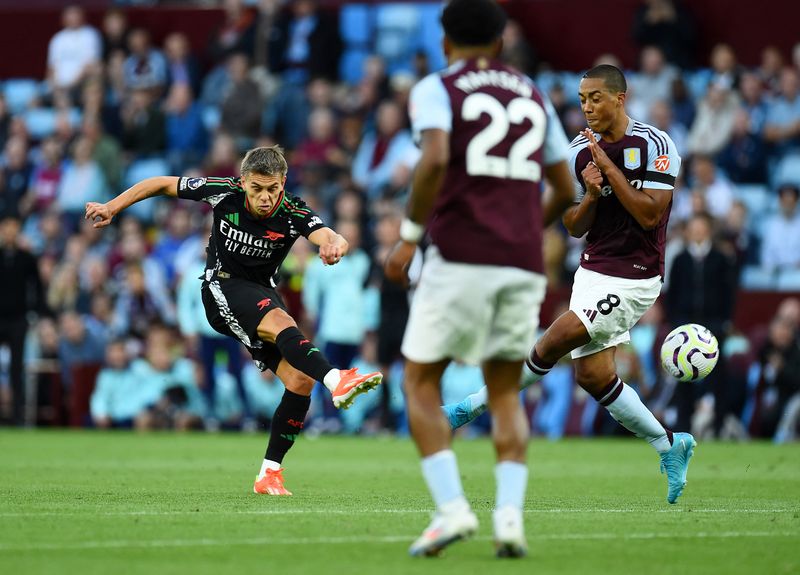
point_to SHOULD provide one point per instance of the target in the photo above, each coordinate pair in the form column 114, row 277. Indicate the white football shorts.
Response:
column 472, row 313
column 609, row 306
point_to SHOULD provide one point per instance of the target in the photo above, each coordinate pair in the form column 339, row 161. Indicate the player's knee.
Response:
column 274, row 323
column 299, row 383
column 594, row 378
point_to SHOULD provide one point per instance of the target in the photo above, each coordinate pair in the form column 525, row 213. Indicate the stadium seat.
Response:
column 19, row 92
column 396, row 31
column 758, row 278
column 211, row 118
column 787, row 170
column 41, row 122
column 351, row 65
column 355, row 25
column 756, row 197
column 430, row 35
column 789, row 280
column 697, row 83
column 139, row 170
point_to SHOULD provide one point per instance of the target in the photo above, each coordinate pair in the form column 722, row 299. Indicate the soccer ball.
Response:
column 689, row 352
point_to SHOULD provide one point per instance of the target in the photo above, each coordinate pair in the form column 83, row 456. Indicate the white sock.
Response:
column 331, row 380
column 512, row 480
column 631, row 413
column 440, row 471
column 479, row 400
column 268, row 464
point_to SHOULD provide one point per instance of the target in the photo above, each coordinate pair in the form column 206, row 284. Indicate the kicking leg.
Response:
column 454, row 519
column 287, row 423
column 510, row 436
column 596, row 374
column 279, row 328
column 564, row 335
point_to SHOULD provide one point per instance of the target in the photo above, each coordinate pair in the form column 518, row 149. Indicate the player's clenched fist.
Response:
column 593, row 178
column 100, row 213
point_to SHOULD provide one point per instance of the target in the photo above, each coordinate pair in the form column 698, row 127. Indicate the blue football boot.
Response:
column 675, row 462
column 461, row 413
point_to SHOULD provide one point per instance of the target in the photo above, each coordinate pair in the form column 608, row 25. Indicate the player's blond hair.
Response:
column 267, row 161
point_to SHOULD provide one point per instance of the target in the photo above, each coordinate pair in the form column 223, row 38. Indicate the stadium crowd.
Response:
column 112, row 327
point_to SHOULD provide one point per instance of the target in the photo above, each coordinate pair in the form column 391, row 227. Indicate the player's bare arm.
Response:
column 647, row 206
column 148, row 188
column 426, row 183
column 562, row 197
column 332, row 246
column 579, row 218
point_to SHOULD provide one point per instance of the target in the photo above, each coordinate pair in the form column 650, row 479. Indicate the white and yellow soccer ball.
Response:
column 689, row 352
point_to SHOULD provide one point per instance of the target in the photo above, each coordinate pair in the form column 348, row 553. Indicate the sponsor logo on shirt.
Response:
column 662, row 163
column 272, row 236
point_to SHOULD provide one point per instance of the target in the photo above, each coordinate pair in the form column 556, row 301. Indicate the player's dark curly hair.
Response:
column 613, row 77
column 473, row 22
column 267, row 161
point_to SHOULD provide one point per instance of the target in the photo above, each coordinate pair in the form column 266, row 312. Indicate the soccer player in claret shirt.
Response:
column 624, row 172
column 255, row 224
column 488, row 138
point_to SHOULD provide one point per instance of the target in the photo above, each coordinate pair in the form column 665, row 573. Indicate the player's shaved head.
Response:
column 473, row 22
column 611, row 75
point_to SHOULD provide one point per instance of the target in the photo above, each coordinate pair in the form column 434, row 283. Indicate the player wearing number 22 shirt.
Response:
column 489, row 138
column 624, row 172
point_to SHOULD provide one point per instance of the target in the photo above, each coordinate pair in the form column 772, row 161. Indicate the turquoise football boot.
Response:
column 675, row 462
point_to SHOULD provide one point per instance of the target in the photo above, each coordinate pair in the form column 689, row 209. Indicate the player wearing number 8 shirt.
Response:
column 624, row 172
column 488, row 138
column 255, row 224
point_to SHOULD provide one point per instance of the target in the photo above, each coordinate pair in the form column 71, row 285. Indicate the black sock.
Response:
column 301, row 353
column 287, row 422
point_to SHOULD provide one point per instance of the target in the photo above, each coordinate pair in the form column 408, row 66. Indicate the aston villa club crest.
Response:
column 632, row 157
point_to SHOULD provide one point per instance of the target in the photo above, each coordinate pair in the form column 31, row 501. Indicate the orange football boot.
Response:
column 271, row 483
column 351, row 384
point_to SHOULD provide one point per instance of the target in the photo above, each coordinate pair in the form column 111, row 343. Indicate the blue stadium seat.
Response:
column 211, row 118
column 787, row 170
column 19, row 92
column 355, row 24
column 756, row 197
column 139, row 170
column 758, row 278
column 430, row 35
column 789, row 280
column 41, row 122
column 396, row 32
column 697, row 83
column 351, row 65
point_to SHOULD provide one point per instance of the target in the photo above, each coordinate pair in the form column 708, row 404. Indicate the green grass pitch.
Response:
column 89, row 502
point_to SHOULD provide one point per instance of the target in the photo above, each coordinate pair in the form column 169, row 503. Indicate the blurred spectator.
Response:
column 81, row 182
column 116, row 399
column 383, row 151
column 45, row 178
column 782, row 126
column 736, row 240
column 321, row 146
column 753, row 100
column 20, row 293
column 138, row 308
column 187, row 140
column 713, row 125
column 725, row 71
column 781, row 247
column 223, row 158
column 178, row 231
column 63, row 290
column 744, row 158
column 144, row 131
column 15, row 176
column 5, row 120
column 715, row 190
column 305, row 43
column 241, row 105
column 106, row 151
column 169, row 385
column 702, row 290
column 683, row 106
column 661, row 118
column 182, row 66
column 236, row 33
column 769, row 71
column 286, row 116
column 73, row 52
column 145, row 68
column 517, row 51
column 115, row 32
column 81, row 344
column 668, row 25
column 653, row 82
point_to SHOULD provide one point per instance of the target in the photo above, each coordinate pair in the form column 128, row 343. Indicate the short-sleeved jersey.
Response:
column 616, row 244
column 503, row 132
column 243, row 245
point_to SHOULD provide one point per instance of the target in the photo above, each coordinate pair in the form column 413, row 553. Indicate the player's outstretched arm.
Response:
column 158, row 186
column 332, row 246
column 563, row 191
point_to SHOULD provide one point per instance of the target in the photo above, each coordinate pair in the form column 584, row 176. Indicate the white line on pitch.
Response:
column 90, row 513
column 166, row 543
